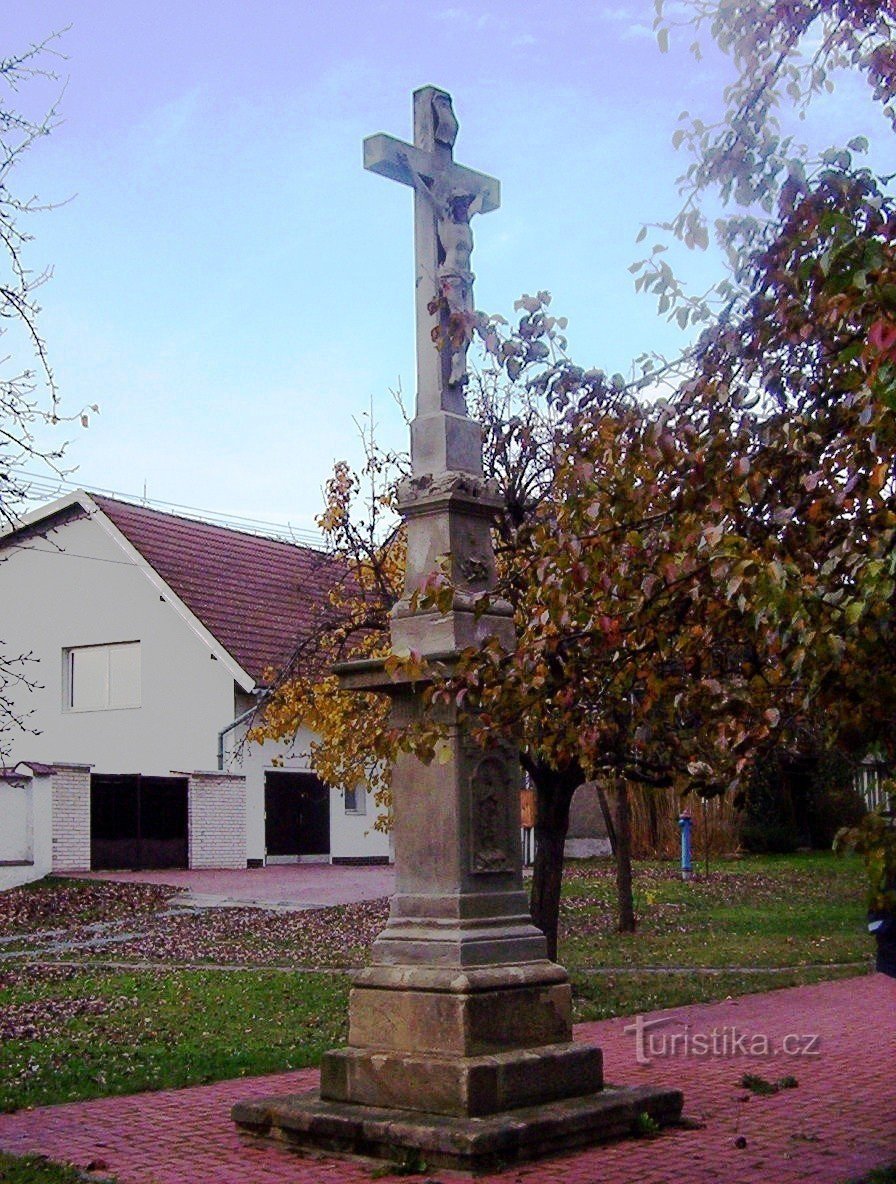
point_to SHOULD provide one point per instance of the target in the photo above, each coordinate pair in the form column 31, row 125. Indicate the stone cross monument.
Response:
column 460, row 1050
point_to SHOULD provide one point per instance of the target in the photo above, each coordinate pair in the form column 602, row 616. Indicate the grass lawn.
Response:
column 73, row 1033
column 173, row 1016
column 752, row 924
column 34, row 1169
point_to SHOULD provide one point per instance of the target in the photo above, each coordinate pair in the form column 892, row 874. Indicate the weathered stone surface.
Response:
column 442, row 1141
column 471, row 1086
column 460, row 981
column 461, row 1025
column 422, row 941
column 446, row 442
column 433, row 634
column 459, row 897
column 449, row 517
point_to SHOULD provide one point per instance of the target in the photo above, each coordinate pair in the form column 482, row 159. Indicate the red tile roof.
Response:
column 256, row 596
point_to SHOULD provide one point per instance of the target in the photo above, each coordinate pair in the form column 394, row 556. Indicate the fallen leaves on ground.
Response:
column 54, row 904
column 332, row 937
column 105, row 920
column 41, row 1018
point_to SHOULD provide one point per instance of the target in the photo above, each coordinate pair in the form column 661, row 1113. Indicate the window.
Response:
column 102, row 677
column 356, row 800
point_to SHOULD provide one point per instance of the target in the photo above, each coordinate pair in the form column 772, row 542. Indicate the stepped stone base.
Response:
column 414, row 1139
column 460, row 1086
column 472, row 1068
column 447, row 1012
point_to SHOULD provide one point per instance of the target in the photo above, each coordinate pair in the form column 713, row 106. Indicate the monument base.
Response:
column 423, row 1141
column 471, row 1087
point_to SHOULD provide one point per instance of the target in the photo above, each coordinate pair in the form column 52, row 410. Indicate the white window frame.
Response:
column 358, row 799
column 110, row 697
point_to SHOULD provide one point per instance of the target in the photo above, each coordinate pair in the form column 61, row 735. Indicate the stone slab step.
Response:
column 412, row 1139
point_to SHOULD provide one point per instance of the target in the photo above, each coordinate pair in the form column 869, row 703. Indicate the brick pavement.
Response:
column 286, row 885
column 839, row 1122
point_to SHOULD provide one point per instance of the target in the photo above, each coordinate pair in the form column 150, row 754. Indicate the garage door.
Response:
column 297, row 815
column 138, row 822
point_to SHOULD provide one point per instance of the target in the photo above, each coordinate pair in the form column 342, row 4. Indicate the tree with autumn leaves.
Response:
column 353, row 744
column 712, row 573
column 786, row 56
column 708, row 573
column 805, row 320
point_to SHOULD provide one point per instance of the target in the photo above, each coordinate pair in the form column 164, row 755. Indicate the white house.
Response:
column 151, row 635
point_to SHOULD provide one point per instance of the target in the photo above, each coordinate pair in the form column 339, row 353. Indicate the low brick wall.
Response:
column 71, row 818
column 217, row 820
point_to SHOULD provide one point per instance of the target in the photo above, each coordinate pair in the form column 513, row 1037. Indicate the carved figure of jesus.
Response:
column 456, row 279
column 454, row 207
column 446, row 195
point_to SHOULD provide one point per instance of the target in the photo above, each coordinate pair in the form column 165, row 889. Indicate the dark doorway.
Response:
column 137, row 822
column 296, row 815
column 796, row 794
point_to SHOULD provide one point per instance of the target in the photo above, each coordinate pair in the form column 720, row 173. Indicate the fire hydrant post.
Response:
column 684, row 825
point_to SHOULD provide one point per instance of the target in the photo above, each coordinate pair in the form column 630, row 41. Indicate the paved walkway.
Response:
column 839, row 1122
column 283, row 886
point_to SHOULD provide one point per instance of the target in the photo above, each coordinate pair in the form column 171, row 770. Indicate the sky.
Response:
column 234, row 291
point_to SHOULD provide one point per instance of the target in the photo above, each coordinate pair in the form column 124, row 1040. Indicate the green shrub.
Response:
column 796, row 802
column 874, row 838
column 830, row 808
column 768, row 825
column 768, row 838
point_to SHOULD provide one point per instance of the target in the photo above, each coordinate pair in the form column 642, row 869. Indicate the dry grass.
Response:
column 655, row 833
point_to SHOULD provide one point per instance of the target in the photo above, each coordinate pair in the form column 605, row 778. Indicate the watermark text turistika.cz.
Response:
column 654, row 1039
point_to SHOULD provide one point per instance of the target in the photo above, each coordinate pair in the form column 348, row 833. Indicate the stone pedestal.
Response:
column 460, row 1044
column 460, row 1050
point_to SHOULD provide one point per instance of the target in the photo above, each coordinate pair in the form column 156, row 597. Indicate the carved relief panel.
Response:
column 491, row 787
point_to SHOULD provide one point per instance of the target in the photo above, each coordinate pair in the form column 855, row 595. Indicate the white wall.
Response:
column 78, row 587
column 351, row 835
column 42, row 789
column 25, row 829
column 16, row 821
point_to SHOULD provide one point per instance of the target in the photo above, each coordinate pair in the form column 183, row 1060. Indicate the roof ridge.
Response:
column 100, row 498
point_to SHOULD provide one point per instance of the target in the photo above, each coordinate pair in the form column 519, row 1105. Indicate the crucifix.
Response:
column 446, row 445
column 460, row 1028
column 446, row 196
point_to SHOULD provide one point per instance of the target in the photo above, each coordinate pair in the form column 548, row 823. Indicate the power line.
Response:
column 41, row 487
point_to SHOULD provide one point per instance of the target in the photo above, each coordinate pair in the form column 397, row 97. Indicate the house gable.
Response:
column 251, row 599
column 90, row 576
column 74, row 591
column 257, row 596
column 40, row 530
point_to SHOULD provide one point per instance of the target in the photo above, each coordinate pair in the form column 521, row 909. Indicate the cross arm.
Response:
column 399, row 161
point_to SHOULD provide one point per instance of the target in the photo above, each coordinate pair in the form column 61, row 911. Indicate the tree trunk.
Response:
column 553, row 795
column 653, row 823
column 608, row 817
column 547, row 875
column 624, row 859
